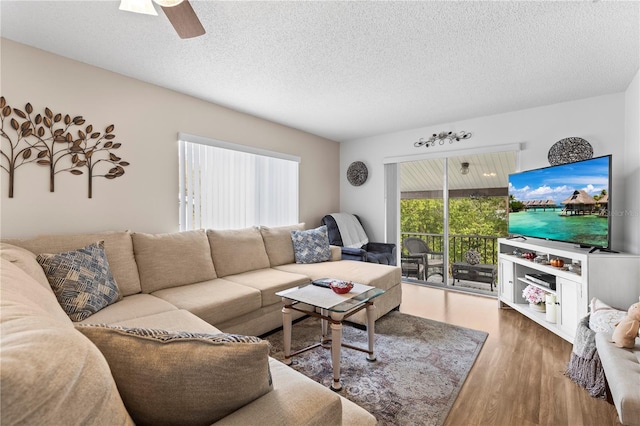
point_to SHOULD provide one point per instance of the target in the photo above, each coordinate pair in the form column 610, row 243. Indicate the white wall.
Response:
column 632, row 167
column 147, row 119
column 599, row 120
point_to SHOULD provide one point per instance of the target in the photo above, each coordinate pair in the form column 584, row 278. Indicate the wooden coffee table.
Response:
column 332, row 309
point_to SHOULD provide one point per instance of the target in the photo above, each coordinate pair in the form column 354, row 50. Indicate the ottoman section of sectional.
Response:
column 376, row 275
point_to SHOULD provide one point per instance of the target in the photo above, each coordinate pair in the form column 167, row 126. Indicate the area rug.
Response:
column 421, row 365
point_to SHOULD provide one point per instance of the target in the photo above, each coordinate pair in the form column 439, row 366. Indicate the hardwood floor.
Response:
column 518, row 378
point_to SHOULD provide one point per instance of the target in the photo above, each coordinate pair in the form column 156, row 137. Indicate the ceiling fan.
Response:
column 180, row 14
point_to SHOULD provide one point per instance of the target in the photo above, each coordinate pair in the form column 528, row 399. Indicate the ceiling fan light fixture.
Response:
column 168, row 3
column 179, row 12
column 138, row 6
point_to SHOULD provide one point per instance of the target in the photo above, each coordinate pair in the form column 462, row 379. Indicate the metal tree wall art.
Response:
column 88, row 146
column 13, row 157
column 47, row 140
column 57, row 142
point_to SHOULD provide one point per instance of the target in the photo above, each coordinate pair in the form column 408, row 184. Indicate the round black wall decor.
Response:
column 570, row 150
column 357, row 173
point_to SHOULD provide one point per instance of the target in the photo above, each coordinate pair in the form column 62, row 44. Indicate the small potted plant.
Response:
column 535, row 297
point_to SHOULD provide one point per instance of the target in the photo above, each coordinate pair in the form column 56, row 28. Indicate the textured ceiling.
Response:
column 345, row 70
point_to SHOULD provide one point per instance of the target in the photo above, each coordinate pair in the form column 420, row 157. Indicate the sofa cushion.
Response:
column 25, row 260
column 214, row 301
column 117, row 245
column 235, row 251
column 183, row 378
column 278, row 243
column 177, row 320
column 81, row 280
column 268, row 282
column 130, row 307
column 311, row 246
column 50, row 372
column 294, row 400
column 174, row 259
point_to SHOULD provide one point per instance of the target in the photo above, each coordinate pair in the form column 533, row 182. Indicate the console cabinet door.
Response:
column 569, row 295
column 506, row 278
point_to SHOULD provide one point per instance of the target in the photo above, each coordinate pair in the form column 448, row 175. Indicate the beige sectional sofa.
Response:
column 197, row 282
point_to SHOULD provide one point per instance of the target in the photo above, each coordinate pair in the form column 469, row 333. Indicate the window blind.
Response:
column 226, row 188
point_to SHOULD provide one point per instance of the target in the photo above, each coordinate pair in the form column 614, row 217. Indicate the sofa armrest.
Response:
column 381, row 247
column 350, row 253
column 294, row 400
column 388, row 251
column 622, row 370
column 336, row 253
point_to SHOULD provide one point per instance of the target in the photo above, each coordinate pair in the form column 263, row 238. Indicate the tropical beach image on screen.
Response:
column 568, row 202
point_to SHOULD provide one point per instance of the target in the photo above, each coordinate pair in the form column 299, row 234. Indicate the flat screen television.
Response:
column 568, row 202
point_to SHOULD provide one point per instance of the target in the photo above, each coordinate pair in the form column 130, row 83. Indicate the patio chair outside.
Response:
column 433, row 261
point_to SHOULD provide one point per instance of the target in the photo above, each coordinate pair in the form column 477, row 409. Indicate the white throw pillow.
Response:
column 603, row 317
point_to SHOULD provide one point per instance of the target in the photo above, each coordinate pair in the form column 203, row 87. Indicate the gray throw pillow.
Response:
column 311, row 246
column 167, row 377
column 81, row 280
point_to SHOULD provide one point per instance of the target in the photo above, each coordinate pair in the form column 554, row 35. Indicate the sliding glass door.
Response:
column 457, row 205
column 422, row 220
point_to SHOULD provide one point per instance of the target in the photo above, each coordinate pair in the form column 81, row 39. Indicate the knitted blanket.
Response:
column 585, row 368
column 350, row 230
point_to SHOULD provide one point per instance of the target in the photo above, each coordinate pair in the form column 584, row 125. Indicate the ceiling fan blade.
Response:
column 184, row 20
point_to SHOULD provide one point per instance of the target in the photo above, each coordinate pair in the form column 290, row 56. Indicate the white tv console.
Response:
column 613, row 278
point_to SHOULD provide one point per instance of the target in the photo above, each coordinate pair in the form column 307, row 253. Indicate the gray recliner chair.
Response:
column 384, row 253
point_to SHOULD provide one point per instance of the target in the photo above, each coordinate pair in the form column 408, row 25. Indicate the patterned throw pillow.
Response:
column 167, row 377
column 81, row 280
column 472, row 257
column 311, row 246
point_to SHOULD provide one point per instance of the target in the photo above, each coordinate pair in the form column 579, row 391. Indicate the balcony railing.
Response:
column 486, row 245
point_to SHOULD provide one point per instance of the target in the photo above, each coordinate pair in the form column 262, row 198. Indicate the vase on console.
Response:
column 535, row 296
column 540, row 307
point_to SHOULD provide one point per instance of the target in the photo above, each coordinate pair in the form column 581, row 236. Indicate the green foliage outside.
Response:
column 482, row 216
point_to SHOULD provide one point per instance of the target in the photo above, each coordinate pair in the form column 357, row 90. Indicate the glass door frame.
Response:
column 392, row 190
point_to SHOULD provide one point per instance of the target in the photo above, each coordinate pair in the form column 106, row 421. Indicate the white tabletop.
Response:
column 322, row 297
